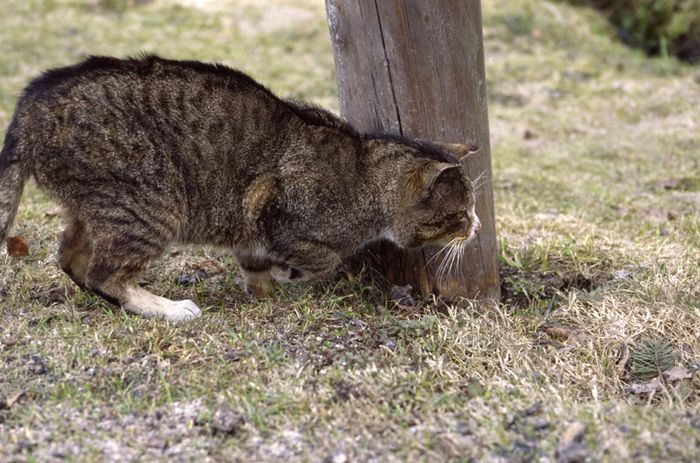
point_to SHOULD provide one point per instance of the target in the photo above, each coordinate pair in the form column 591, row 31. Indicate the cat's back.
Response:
column 123, row 76
column 119, row 110
column 149, row 92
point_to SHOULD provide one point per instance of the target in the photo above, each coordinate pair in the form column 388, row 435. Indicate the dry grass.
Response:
column 598, row 215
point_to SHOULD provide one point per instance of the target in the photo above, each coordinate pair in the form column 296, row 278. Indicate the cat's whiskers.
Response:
column 480, row 181
column 443, row 249
column 443, row 264
column 483, row 182
column 460, row 256
column 477, row 179
column 452, row 257
column 460, row 266
column 453, row 260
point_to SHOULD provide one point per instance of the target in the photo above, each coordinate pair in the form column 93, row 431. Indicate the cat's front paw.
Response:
column 181, row 311
column 258, row 289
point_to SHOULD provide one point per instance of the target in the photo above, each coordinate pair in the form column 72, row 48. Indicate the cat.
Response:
column 145, row 152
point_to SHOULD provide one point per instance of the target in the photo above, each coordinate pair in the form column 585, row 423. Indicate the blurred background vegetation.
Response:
column 661, row 27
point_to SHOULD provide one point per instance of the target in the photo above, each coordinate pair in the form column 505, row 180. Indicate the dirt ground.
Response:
column 593, row 354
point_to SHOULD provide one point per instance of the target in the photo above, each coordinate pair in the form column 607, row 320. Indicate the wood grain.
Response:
column 416, row 68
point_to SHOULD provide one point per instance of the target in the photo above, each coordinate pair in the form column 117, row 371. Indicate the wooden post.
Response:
column 416, row 68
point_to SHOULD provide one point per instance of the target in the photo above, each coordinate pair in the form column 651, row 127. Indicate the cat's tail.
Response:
column 13, row 175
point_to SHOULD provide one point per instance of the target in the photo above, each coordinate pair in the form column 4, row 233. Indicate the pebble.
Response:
column 37, row 365
column 227, row 422
column 571, row 448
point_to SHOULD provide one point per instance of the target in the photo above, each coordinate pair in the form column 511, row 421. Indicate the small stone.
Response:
column 227, row 422
column 157, row 443
column 575, row 453
column 60, row 294
column 534, row 409
column 529, row 135
column 186, row 280
column 464, row 429
column 401, row 295
column 336, row 457
column 571, row 448
column 540, row 424
column 37, row 365
column 24, row 445
column 232, row 356
column 573, row 433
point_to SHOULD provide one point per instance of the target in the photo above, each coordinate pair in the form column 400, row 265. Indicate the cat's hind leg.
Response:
column 117, row 260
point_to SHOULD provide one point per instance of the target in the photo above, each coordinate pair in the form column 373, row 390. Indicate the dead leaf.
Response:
column 529, row 135
column 9, row 402
column 17, row 247
column 676, row 373
column 12, row 400
column 624, row 358
column 646, row 388
column 208, row 268
column 9, row 342
column 560, row 332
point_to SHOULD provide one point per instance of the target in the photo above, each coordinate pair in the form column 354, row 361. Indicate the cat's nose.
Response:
column 477, row 224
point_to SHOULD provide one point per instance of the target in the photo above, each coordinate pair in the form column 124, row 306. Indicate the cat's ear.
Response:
column 433, row 173
column 461, row 150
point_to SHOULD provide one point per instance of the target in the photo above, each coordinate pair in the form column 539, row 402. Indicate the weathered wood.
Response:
column 416, row 68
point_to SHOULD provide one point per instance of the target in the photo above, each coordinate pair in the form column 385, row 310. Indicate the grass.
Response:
column 596, row 167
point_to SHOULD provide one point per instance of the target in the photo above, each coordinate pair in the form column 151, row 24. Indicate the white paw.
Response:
column 182, row 311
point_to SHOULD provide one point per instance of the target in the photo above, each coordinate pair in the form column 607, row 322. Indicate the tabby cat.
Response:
column 146, row 152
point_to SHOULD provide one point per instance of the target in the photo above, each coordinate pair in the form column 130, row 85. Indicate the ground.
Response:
column 597, row 189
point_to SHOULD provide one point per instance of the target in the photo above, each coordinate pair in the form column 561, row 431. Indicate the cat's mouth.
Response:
column 461, row 236
column 452, row 250
column 465, row 238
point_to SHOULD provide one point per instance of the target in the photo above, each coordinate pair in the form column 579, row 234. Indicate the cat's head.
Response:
column 433, row 200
